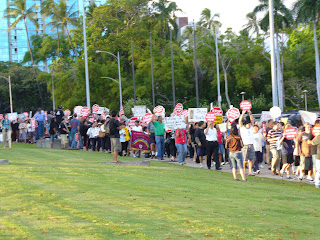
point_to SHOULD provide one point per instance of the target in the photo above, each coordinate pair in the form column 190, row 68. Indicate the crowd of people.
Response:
column 247, row 145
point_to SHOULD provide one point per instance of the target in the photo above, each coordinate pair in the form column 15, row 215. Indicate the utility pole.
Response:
column 172, row 72
column 86, row 56
column 195, row 63
column 133, row 75
column 152, row 79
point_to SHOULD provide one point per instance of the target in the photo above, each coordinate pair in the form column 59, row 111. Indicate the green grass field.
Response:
column 55, row 194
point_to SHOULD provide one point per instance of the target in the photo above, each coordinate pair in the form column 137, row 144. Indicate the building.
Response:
column 14, row 43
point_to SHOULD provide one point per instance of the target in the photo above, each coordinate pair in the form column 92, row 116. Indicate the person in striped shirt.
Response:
column 273, row 137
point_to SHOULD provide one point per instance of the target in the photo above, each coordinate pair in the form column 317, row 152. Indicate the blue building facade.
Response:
column 13, row 44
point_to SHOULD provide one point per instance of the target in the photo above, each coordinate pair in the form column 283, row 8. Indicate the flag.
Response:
column 140, row 141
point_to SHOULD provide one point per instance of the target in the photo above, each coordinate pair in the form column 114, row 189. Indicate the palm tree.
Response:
column 282, row 19
column 207, row 20
column 308, row 11
column 252, row 24
column 62, row 16
column 18, row 10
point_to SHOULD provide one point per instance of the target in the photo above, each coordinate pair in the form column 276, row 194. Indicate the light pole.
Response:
column 242, row 94
column 172, row 73
column 195, row 62
column 152, row 78
column 119, row 82
column 53, row 100
column 273, row 63
column 133, row 75
column 86, row 56
column 305, row 100
column 10, row 91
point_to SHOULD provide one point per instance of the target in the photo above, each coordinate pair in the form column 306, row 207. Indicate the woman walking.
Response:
column 6, row 131
column 234, row 144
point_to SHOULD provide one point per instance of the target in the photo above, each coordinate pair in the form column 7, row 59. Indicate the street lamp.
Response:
column 86, row 55
column 119, row 82
column 305, row 100
column 10, row 91
column 242, row 93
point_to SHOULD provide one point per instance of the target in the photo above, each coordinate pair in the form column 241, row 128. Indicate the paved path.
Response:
column 264, row 172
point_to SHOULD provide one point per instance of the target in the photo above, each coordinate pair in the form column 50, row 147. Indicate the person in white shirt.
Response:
column 212, row 146
column 257, row 144
column 136, row 128
column 93, row 133
column 246, row 131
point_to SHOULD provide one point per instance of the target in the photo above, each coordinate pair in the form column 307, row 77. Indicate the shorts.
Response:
column 52, row 138
column 248, row 152
column 221, row 149
column 297, row 161
column 236, row 160
column 306, row 163
column 201, row 151
column 314, row 160
column 287, row 158
column 115, row 145
column 152, row 138
column 64, row 139
column 124, row 146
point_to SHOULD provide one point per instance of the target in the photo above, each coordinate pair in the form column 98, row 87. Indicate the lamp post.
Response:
column 152, row 77
column 133, row 75
column 305, row 100
column 86, row 55
column 10, row 91
column 53, row 100
column 119, row 82
column 242, row 93
column 172, row 73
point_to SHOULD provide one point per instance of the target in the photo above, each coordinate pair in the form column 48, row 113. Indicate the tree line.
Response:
column 244, row 58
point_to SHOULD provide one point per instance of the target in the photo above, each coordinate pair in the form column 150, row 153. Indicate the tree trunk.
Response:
column 279, row 73
column 316, row 50
column 32, row 61
column 58, row 42
column 74, row 50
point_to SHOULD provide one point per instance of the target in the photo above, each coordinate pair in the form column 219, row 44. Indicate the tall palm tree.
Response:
column 283, row 18
column 308, row 11
column 19, row 11
column 207, row 20
column 252, row 24
column 62, row 17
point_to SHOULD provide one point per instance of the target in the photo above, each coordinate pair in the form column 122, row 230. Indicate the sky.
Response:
column 232, row 12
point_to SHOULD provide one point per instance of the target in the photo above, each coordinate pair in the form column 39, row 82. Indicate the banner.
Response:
column 139, row 111
column 197, row 114
column 140, row 141
column 173, row 123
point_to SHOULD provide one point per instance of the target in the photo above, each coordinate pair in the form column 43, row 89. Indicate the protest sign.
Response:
column 217, row 111
column 13, row 116
column 95, row 108
column 139, row 141
column 33, row 123
column 1, row 117
column 275, row 112
column 91, row 119
column 223, row 127
column 173, row 123
column 121, row 112
column 265, row 116
column 159, row 109
column 284, row 120
column 101, row 110
column 21, row 116
column 85, row 111
column 26, row 115
column 245, row 105
column 139, row 111
column 147, row 118
column 67, row 112
column 185, row 113
column 77, row 110
column 308, row 117
column 210, row 117
column 316, row 130
column 264, row 127
column 197, row 114
column 233, row 114
column 290, row 133
column 178, row 109
column 103, row 116
column 131, row 122
column 219, row 120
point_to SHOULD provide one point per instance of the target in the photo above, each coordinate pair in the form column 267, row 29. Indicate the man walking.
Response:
column 40, row 117
column 273, row 137
column 159, row 132
column 114, row 127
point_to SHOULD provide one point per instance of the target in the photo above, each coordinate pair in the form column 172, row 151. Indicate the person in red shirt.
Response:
column 181, row 144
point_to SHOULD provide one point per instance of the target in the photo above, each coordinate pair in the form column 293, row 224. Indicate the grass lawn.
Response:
column 55, row 194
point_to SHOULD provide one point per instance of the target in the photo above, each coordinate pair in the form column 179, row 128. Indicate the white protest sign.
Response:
column 100, row 110
column 265, row 116
column 308, row 117
column 13, row 116
column 140, row 111
column 275, row 112
column 223, row 127
column 197, row 114
column 173, row 123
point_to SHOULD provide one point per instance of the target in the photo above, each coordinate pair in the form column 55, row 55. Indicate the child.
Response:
column 257, row 144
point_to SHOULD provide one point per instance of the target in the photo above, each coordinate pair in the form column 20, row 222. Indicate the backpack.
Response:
column 112, row 128
column 107, row 128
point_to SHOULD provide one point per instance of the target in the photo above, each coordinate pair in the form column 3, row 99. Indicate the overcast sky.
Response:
column 232, row 12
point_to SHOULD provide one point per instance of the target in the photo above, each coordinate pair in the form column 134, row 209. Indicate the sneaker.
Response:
column 281, row 174
column 261, row 166
column 289, row 177
column 309, row 178
column 201, row 165
column 258, row 171
column 245, row 180
column 222, row 163
column 180, row 163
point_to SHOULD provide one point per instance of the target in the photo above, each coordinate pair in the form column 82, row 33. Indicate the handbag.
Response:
column 101, row 134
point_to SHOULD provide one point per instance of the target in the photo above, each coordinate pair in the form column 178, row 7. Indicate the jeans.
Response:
column 213, row 148
column 73, row 141
column 258, row 156
column 40, row 129
column 182, row 152
column 160, row 146
column 317, row 179
column 80, row 142
column 236, row 160
column 93, row 142
column 191, row 150
column 275, row 164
